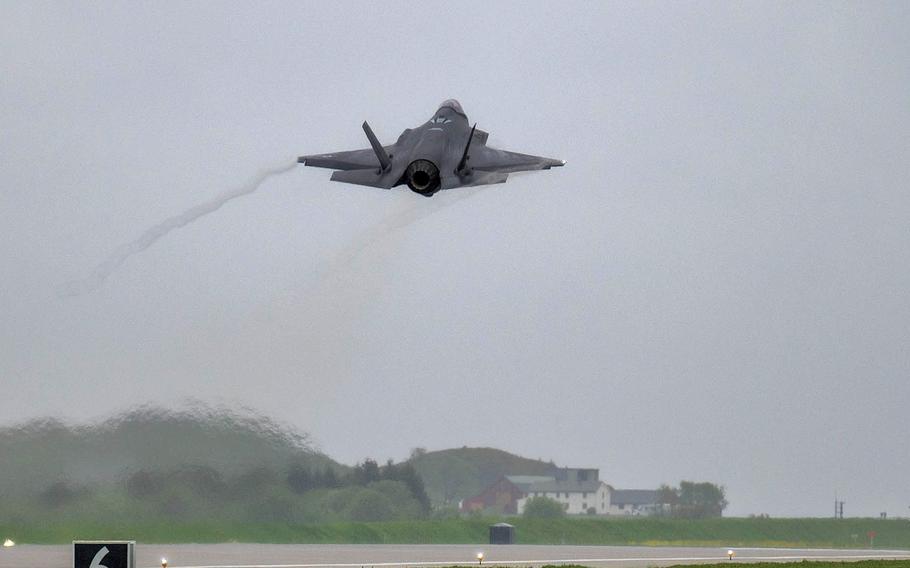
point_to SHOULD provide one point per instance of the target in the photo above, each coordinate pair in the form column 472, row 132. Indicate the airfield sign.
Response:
column 103, row 554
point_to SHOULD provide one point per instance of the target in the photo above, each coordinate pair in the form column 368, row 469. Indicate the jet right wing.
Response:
column 488, row 159
column 350, row 160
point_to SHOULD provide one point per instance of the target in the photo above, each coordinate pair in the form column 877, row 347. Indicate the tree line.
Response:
column 299, row 492
column 692, row 500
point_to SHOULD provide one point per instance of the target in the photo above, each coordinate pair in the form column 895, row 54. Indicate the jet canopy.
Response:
column 454, row 105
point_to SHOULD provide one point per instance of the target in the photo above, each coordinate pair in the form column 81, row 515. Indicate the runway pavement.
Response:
column 237, row 555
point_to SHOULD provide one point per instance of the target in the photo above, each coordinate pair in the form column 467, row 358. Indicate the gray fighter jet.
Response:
column 442, row 153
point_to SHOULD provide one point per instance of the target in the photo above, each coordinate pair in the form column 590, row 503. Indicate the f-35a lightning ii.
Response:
column 442, row 153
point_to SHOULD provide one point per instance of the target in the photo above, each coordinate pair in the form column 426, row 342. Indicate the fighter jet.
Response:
column 442, row 153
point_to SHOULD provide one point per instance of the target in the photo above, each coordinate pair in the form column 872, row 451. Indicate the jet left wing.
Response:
column 488, row 159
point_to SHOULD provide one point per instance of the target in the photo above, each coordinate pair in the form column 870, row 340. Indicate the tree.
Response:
column 370, row 505
column 143, row 484
column 409, row 476
column 366, row 472
column 667, row 499
column 60, row 493
column 693, row 500
column 328, row 479
column 254, row 481
column 299, row 479
column 700, row 500
column 202, row 480
column 543, row 508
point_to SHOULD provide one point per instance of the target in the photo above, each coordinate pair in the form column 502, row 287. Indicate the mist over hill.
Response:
column 198, row 463
column 44, row 451
column 156, row 446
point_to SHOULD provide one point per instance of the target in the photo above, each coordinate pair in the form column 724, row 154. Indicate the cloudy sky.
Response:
column 714, row 287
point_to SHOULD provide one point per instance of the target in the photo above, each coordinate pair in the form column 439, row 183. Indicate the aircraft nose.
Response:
column 454, row 105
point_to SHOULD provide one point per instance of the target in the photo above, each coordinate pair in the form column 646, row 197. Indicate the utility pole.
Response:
column 838, row 507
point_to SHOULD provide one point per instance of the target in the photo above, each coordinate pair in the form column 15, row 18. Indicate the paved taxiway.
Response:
column 236, row 555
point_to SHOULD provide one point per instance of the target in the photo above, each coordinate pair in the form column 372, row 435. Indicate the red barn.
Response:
column 503, row 496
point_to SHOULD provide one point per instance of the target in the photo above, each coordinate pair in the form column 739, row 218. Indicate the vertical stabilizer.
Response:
column 464, row 156
column 384, row 160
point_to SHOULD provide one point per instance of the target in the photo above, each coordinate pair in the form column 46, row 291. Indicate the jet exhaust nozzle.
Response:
column 423, row 177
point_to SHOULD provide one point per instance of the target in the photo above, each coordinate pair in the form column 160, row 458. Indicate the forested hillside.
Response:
column 194, row 464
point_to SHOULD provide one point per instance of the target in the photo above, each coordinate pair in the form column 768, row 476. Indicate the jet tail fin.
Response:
column 384, row 160
column 464, row 156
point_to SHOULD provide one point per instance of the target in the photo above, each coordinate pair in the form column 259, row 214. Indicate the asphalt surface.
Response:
column 236, row 555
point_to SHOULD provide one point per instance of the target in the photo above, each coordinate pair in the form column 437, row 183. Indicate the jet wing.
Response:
column 488, row 159
column 350, row 160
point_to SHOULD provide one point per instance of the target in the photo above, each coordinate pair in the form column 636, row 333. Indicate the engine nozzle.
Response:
column 423, row 177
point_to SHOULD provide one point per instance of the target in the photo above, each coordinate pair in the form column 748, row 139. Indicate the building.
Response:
column 634, row 502
column 580, row 492
column 501, row 496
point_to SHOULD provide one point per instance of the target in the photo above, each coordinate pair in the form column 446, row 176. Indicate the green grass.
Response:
column 585, row 531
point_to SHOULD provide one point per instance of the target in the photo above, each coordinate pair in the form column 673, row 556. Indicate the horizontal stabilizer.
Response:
column 364, row 177
column 476, row 178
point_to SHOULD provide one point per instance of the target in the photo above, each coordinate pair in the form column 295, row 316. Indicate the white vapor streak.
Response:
column 395, row 222
column 150, row 236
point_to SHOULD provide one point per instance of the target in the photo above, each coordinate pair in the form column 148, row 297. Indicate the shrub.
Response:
column 543, row 508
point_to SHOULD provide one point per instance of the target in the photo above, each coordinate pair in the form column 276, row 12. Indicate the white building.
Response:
column 580, row 491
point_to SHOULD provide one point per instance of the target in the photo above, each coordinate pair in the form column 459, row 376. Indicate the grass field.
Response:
column 846, row 533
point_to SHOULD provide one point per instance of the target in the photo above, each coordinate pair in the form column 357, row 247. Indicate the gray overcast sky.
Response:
column 714, row 287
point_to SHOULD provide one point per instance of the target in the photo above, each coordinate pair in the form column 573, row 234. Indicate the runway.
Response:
column 237, row 555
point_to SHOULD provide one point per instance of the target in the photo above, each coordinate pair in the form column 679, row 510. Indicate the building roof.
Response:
column 527, row 479
column 634, row 497
column 541, row 484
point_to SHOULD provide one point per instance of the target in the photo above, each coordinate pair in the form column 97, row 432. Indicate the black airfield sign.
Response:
column 100, row 554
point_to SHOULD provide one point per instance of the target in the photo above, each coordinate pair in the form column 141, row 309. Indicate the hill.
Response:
column 199, row 465
column 40, row 453
column 452, row 475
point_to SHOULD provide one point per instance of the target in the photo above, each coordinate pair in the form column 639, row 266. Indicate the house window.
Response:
column 584, row 494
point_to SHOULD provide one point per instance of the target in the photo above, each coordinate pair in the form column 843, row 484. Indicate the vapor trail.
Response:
column 396, row 221
column 150, row 236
